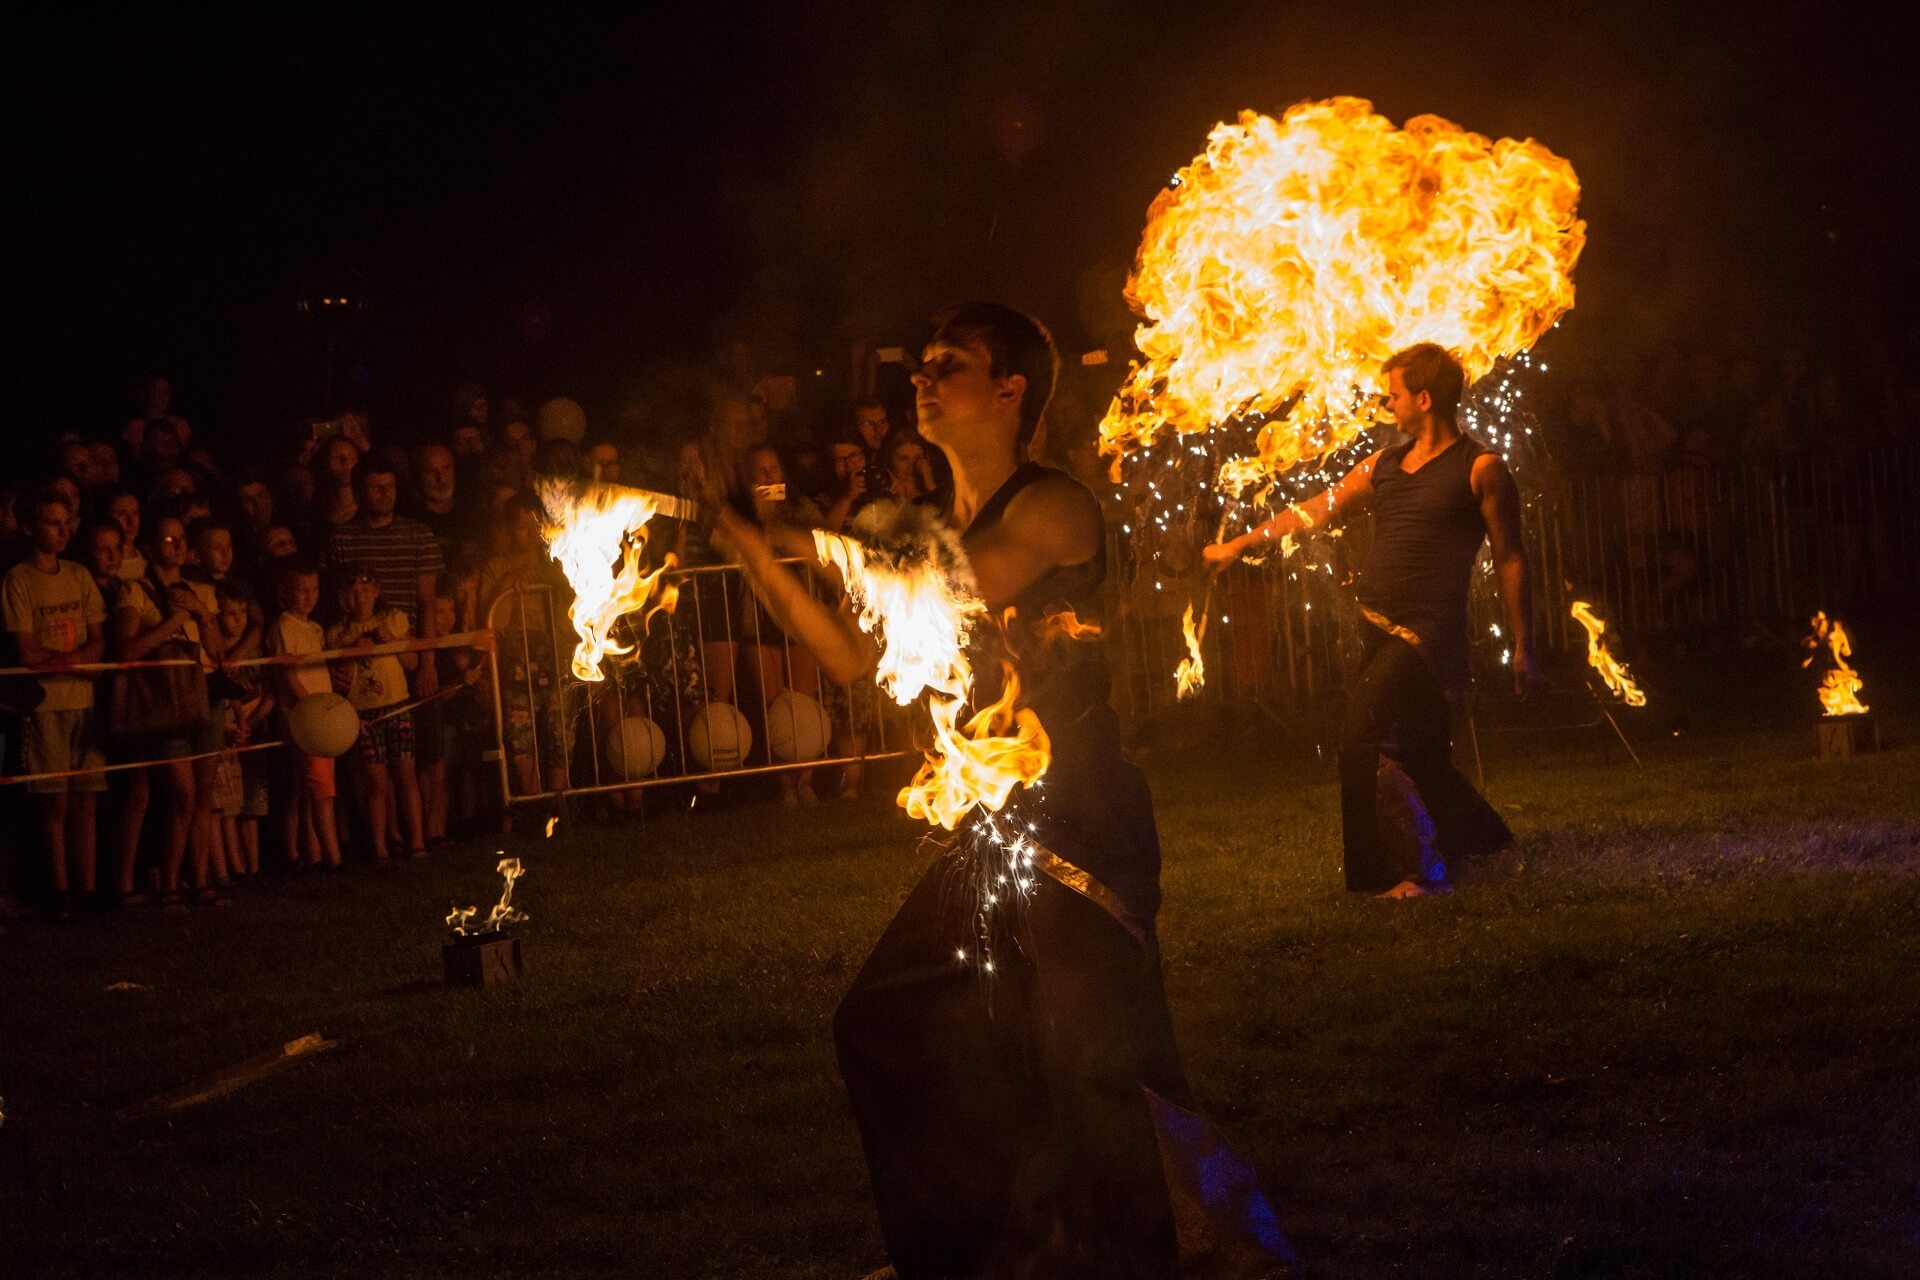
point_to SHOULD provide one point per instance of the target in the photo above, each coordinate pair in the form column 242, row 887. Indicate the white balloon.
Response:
column 797, row 727
column 635, row 747
column 719, row 737
column 323, row 724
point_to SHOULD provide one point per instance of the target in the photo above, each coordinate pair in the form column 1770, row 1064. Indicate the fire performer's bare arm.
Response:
column 1353, row 490
column 1500, row 507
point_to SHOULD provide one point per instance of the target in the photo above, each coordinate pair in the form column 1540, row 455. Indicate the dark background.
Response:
column 552, row 204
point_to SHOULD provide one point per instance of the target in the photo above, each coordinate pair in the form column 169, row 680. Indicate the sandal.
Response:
column 212, row 897
column 173, row 900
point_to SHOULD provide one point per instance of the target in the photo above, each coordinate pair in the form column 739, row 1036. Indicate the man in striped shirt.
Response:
column 403, row 554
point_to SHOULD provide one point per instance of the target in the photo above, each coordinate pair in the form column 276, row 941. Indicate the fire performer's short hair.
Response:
column 1430, row 367
column 1015, row 343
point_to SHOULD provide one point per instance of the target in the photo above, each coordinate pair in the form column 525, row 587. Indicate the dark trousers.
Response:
column 1397, row 707
column 1002, row 1115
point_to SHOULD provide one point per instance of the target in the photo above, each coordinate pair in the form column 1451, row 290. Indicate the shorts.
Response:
column 228, row 794
column 313, row 773
column 58, row 741
column 383, row 741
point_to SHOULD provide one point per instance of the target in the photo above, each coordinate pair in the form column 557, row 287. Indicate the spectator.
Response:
column 123, row 508
column 871, row 424
column 439, row 507
column 309, row 819
column 106, row 464
column 144, row 632
column 773, row 662
column 76, row 463
column 848, row 460
column 335, row 499
column 160, row 448
column 517, row 589
column 156, row 394
column 56, row 615
column 256, row 512
column 213, row 551
column 376, row 685
column 909, row 473
column 240, row 784
column 603, row 462
column 402, row 554
column 471, row 408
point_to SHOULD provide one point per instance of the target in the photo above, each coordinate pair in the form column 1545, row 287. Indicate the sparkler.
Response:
column 1840, row 686
column 590, row 530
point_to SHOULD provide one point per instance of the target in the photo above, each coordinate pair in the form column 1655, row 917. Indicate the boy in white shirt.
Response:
column 56, row 615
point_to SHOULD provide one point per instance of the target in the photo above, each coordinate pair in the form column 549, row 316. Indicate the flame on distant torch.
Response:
column 1191, row 675
column 1293, row 256
column 597, row 534
column 914, row 593
column 1611, row 669
column 504, row 912
column 1840, row 687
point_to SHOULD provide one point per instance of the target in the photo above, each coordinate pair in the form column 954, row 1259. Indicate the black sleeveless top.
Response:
column 1092, row 807
column 1427, row 531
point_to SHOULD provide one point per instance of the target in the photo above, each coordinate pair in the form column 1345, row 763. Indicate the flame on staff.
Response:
column 1293, row 256
column 1840, row 687
column 1611, row 669
column 597, row 534
column 912, row 590
column 1191, row 675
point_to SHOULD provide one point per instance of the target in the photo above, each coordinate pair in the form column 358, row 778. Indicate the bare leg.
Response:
column 133, row 816
column 53, row 830
column 81, row 837
column 375, row 798
column 180, row 804
column 433, row 798
column 406, row 788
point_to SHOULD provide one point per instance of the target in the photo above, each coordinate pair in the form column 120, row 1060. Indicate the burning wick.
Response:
column 552, row 822
column 504, row 912
column 1611, row 669
column 1840, row 687
column 1191, row 675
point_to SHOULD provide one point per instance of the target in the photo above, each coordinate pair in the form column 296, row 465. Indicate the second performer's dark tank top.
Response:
column 1427, row 531
column 1092, row 807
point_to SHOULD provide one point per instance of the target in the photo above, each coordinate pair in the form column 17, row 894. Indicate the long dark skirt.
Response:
column 1028, row 1120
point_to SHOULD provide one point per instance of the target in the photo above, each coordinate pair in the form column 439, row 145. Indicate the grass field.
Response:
column 1675, row 1034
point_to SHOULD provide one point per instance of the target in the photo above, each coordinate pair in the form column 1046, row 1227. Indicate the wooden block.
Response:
column 1842, row 737
column 483, row 960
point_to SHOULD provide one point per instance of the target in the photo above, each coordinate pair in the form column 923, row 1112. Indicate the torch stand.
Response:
column 481, row 959
column 1843, row 737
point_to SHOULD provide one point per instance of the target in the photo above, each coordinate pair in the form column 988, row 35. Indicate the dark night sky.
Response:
column 823, row 171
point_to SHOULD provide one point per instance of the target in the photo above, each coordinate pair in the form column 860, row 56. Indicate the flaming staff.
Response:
column 1840, row 686
column 912, row 589
column 590, row 530
column 1601, row 659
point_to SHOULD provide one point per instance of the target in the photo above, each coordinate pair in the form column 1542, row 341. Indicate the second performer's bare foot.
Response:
column 1414, row 889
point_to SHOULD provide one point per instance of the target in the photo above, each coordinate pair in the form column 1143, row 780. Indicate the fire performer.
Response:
column 1029, row 1115
column 1435, row 496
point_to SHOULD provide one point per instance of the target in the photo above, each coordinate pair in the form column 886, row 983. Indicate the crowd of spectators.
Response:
column 1697, row 407
column 143, row 545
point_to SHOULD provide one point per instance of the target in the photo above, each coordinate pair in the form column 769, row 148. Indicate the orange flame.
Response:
column 916, row 596
column 1611, row 669
column 591, row 529
column 1293, row 256
column 1191, row 675
column 1840, row 687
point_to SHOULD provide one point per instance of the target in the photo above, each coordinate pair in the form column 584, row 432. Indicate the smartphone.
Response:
column 770, row 492
column 329, row 427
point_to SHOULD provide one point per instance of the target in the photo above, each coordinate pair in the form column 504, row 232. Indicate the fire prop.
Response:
column 1611, row 669
column 592, row 529
column 1840, row 687
column 1288, row 260
column 908, row 579
column 504, row 912
column 1191, row 675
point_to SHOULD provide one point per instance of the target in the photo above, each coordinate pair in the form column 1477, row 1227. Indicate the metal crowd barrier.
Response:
column 717, row 646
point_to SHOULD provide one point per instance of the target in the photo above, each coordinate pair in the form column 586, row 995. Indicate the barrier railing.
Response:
column 654, row 719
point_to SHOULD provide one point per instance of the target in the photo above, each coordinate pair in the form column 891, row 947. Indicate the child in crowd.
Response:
column 375, row 685
column 240, row 789
column 57, row 618
column 310, row 829
column 213, row 548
